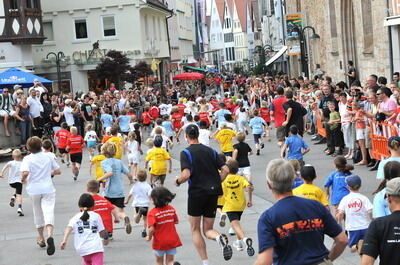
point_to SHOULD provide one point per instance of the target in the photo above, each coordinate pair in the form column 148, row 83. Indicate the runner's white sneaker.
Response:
column 232, row 232
column 238, row 244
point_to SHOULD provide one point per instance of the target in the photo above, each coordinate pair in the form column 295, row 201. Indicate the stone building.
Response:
column 349, row 30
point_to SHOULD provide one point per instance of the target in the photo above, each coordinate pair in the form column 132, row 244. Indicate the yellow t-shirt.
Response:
column 118, row 143
column 159, row 157
column 96, row 161
column 312, row 192
column 224, row 137
column 234, row 188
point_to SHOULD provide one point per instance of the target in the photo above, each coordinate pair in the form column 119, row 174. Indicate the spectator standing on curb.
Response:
column 292, row 230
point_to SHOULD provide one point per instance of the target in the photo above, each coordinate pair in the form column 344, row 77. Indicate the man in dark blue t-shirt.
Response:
column 292, row 230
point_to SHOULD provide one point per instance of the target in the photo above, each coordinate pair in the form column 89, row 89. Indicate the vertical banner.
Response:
column 293, row 29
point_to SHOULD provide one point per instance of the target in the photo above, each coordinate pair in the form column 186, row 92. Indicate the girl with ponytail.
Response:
column 88, row 229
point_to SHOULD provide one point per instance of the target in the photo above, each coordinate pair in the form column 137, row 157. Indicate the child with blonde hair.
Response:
column 14, row 179
column 91, row 140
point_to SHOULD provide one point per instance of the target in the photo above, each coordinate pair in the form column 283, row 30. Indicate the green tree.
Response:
column 114, row 67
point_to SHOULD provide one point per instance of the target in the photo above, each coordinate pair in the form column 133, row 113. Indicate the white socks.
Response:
column 205, row 262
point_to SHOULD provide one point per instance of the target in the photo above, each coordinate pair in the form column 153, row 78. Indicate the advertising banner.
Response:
column 293, row 29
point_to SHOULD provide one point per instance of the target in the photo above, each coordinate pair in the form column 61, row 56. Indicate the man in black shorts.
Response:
column 200, row 164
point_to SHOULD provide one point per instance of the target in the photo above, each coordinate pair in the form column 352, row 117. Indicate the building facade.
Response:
column 85, row 30
column 349, row 30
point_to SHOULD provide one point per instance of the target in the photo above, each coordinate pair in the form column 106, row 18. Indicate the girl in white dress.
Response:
column 133, row 150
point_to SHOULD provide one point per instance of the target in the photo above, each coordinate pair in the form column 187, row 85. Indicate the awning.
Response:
column 188, row 76
column 277, row 55
column 14, row 76
column 392, row 21
column 196, row 69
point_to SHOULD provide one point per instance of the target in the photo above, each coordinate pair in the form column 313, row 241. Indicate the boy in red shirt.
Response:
column 154, row 112
column 74, row 147
column 265, row 114
column 181, row 107
column 62, row 138
column 103, row 207
column 161, row 221
column 176, row 118
column 146, row 118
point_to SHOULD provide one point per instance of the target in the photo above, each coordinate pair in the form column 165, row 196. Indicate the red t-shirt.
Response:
column 204, row 116
column 177, row 120
column 75, row 144
column 181, row 108
column 146, row 117
column 154, row 112
column 104, row 208
column 279, row 111
column 217, row 80
column 215, row 104
column 165, row 234
column 62, row 138
column 264, row 113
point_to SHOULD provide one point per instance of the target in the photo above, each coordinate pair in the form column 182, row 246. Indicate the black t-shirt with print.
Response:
column 87, row 111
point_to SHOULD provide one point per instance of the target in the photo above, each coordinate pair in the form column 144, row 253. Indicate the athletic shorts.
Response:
column 228, row 154
column 360, row 134
column 244, row 171
column 281, row 133
column 62, row 151
column 119, row 202
column 257, row 138
column 17, row 186
column 234, row 216
column 160, row 178
column 162, row 253
column 146, row 209
column 91, row 144
column 76, row 158
column 205, row 206
column 355, row 236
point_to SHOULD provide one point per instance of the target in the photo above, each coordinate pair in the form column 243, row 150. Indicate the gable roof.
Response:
column 241, row 8
column 220, row 8
column 230, row 4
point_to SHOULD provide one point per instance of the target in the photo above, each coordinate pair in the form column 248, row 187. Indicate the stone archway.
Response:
column 348, row 32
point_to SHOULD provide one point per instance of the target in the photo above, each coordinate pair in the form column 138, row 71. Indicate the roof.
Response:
column 220, row 8
column 159, row 4
column 241, row 9
column 230, row 4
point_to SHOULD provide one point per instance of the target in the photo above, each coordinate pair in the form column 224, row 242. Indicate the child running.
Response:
column 96, row 162
column 297, row 178
column 133, row 150
column 103, row 207
column 241, row 154
column 235, row 203
column 336, row 181
column 88, row 230
column 257, row 125
column 356, row 210
column 224, row 138
column 118, row 141
column 158, row 158
column 296, row 145
column 14, row 179
column 91, row 140
column 308, row 189
column 161, row 221
column 61, row 139
column 140, row 192
column 74, row 147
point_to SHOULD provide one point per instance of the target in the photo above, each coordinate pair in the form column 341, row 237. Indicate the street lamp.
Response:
column 59, row 56
column 303, row 47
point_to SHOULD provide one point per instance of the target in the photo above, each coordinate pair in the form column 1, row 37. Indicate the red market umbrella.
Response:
column 188, row 76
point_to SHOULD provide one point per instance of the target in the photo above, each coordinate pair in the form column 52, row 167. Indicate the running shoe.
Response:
column 262, row 146
column 75, row 178
column 144, row 233
column 258, row 152
column 51, row 248
column 222, row 220
column 12, row 201
column 41, row 243
column 20, row 212
column 62, row 160
column 248, row 242
column 176, row 263
column 68, row 164
column 232, row 232
column 238, row 244
column 226, row 249
column 128, row 226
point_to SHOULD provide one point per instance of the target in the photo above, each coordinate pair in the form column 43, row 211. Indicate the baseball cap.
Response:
column 393, row 187
column 393, row 138
column 17, row 87
column 308, row 172
column 353, row 181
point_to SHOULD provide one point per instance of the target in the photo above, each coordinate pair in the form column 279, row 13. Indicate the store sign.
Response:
column 95, row 56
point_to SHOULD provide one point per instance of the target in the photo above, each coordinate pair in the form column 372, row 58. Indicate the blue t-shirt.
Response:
column 169, row 129
column 220, row 114
column 380, row 173
column 298, row 181
column 336, row 180
column 295, row 228
column 380, row 205
column 114, row 185
column 124, row 121
column 295, row 144
column 256, row 124
column 107, row 120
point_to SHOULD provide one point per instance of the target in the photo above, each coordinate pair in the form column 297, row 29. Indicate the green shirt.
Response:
column 334, row 116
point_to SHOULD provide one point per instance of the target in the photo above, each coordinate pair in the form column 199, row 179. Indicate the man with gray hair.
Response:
column 292, row 230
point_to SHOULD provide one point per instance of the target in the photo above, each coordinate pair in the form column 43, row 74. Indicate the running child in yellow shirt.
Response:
column 234, row 187
column 308, row 190
column 224, row 138
column 158, row 158
column 96, row 163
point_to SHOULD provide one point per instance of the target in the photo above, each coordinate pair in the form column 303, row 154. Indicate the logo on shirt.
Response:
column 356, row 205
column 300, row 226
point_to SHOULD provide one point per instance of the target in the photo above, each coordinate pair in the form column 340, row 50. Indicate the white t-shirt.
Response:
column 91, row 136
column 356, row 207
column 204, row 137
column 241, row 115
column 69, row 117
column 133, row 148
column 35, row 107
column 51, row 155
column 165, row 109
column 39, row 166
column 87, row 239
column 141, row 194
column 14, row 174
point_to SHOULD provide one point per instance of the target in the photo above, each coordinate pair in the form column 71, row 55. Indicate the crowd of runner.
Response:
column 118, row 125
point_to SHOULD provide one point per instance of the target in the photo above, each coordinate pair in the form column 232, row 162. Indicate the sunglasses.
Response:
column 378, row 94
